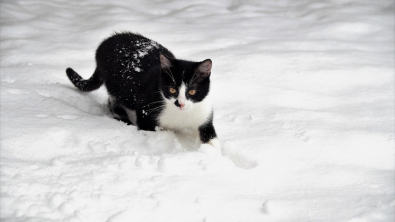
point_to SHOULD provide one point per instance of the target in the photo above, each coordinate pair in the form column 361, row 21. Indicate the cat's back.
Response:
column 122, row 41
column 130, row 49
column 130, row 63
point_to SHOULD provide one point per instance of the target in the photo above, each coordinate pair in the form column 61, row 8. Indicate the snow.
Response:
column 304, row 110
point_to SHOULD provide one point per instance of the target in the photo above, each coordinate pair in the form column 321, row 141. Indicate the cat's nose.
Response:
column 178, row 104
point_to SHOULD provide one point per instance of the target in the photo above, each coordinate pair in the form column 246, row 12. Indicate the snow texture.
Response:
column 304, row 110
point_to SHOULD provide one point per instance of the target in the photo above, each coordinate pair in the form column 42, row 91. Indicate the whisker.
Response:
column 193, row 78
column 170, row 74
column 156, row 92
column 153, row 103
column 154, row 109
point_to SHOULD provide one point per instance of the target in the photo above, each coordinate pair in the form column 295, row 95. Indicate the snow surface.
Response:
column 304, row 109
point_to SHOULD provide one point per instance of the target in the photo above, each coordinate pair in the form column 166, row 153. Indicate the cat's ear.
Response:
column 204, row 68
column 165, row 62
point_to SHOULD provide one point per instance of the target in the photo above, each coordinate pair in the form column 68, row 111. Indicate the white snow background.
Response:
column 304, row 110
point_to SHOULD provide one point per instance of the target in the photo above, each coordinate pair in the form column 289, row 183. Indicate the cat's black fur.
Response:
column 138, row 73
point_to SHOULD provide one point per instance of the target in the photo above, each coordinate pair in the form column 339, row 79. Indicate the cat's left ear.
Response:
column 204, row 68
column 165, row 62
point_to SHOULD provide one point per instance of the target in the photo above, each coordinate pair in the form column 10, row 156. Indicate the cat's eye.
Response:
column 192, row 92
column 172, row 90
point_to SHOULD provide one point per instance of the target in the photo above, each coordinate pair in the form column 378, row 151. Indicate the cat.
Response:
column 150, row 88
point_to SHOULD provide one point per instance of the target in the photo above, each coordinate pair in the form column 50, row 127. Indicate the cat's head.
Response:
column 185, row 83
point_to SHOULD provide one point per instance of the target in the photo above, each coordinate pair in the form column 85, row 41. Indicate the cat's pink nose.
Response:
column 182, row 105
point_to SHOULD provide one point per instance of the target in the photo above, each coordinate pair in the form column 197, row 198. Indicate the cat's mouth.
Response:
column 184, row 108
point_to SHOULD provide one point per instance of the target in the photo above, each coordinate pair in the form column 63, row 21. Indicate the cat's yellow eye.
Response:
column 192, row 92
column 172, row 90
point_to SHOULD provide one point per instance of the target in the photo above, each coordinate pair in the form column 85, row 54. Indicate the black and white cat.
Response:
column 150, row 88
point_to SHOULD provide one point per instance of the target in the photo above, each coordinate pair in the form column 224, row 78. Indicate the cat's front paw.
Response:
column 215, row 143
column 213, row 146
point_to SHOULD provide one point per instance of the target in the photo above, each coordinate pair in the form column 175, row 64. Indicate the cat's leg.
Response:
column 131, row 115
column 117, row 111
column 207, row 135
column 145, row 121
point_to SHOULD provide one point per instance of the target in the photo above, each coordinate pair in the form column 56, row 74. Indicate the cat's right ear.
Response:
column 204, row 68
column 165, row 62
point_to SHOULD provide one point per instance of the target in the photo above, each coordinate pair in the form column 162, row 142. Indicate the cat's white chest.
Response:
column 173, row 118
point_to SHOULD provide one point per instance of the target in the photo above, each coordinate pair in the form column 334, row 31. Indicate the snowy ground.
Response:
column 304, row 105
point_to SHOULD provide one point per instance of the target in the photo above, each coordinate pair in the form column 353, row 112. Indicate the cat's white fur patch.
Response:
column 172, row 117
column 181, row 96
